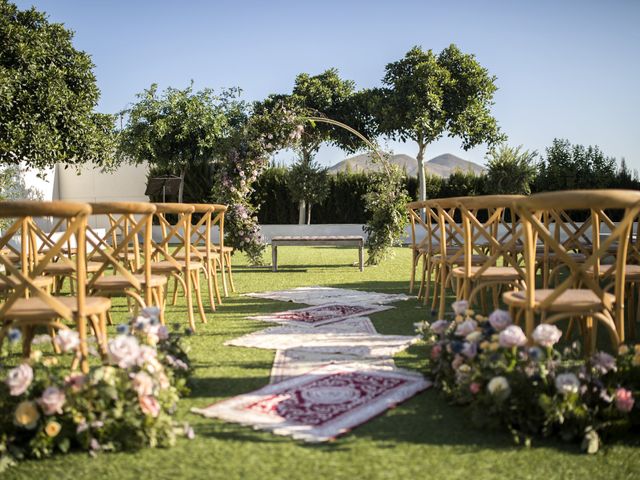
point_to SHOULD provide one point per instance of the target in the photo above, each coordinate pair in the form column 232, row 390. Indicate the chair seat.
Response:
column 119, row 282
column 491, row 273
column 631, row 272
column 10, row 282
column 165, row 266
column 62, row 268
column 575, row 256
column 572, row 299
column 215, row 248
column 454, row 258
column 36, row 309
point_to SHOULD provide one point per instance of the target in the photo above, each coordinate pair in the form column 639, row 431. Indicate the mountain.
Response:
column 442, row 165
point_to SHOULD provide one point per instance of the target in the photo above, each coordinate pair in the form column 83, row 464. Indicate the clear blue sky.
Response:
column 568, row 69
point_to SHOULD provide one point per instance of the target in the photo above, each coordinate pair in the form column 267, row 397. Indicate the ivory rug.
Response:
column 320, row 295
column 321, row 404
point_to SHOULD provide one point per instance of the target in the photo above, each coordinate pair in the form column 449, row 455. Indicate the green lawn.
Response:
column 423, row 438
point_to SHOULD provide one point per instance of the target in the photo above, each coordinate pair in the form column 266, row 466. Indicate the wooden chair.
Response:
column 29, row 306
column 120, row 250
column 580, row 295
column 421, row 248
column 452, row 251
column 491, row 230
column 172, row 254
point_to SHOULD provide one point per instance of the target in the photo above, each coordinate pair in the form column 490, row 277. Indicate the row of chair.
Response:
column 560, row 255
column 48, row 243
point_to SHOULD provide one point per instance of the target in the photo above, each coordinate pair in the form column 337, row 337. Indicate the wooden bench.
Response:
column 336, row 241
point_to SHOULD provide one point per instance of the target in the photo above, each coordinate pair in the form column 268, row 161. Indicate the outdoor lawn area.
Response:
column 422, row 438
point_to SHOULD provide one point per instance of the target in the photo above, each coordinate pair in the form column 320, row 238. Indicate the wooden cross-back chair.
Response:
column 420, row 219
column 172, row 253
column 224, row 251
column 202, row 251
column 125, row 258
column 30, row 306
column 581, row 294
column 452, row 252
column 497, row 237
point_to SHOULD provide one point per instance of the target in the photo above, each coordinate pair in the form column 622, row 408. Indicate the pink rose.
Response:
column 499, row 320
column 75, row 381
column 19, row 379
column 460, row 307
column 439, row 326
column 475, row 388
column 466, row 327
column 143, row 384
column 624, row 400
column 52, row 400
column 457, row 362
column 149, row 405
column 436, row 351
column 470, row 350
column 546, row 335
column 512, row 336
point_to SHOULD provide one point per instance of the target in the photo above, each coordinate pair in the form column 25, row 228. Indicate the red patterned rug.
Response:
column 321, row 404
column 321, row 314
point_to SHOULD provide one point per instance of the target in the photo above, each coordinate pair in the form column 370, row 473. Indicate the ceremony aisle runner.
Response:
column 332, row 370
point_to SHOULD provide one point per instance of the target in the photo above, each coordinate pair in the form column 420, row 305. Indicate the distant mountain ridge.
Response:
column 442, row 165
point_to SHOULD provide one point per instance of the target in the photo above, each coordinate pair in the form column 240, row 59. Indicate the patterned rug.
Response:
column 321, row 404
column 321, row 295
column 320, row 314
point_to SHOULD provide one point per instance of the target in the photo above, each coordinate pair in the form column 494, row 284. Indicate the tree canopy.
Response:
column 48, row 93
column 426, row 96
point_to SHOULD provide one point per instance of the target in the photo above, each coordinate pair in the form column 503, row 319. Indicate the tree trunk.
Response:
column 309, row 214
column 183, row 173
column 301, row 212
column 422, row 190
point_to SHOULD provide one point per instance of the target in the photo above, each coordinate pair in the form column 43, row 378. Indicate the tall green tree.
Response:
column 426, row 96
column 177, row 129
column 510, row 170
column 48, row 93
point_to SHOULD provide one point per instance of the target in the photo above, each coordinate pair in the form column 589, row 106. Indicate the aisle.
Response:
column 332, row 370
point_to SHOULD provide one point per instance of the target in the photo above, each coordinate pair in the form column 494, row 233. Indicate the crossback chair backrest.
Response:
column 24, row 215
column 490, row 229
column 539, row 211
column 210, row 216
column 128, row 222
column 175, row 236
column 450, row 232
column 425, row 229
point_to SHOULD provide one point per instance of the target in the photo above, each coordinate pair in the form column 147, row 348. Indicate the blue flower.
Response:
column 14, row 335
column 456, row 347
column 122, row 329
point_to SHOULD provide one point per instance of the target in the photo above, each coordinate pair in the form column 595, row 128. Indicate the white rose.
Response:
column 67, row 340
column 439, row 326
column 124, row 351
column 500, row 319
column 466, row 327
column 512, row 336
column 567, row 383
column 546, row 335
column 499, row 387
column 19, row 379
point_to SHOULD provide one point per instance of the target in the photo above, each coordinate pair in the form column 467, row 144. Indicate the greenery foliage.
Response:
column 307, row 182
column 47, row 95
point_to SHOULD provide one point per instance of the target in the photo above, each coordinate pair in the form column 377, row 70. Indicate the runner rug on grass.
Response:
column 320, row 314
column 321, row 404
column 320, row 295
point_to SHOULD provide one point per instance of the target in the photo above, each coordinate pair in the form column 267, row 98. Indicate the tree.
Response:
column 325, row 94
column 510, row 171
column 307, row 182
column 47, row 95
column 427, row 95
column 178, row 128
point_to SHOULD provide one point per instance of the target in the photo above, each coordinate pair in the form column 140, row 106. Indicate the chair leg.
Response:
column 228, row 262
column 187, row 289
column 174, row 298
column 196, row 285
column 414, row 262
column 209, row 272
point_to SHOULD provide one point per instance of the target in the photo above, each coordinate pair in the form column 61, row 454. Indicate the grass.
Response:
column 423, row 438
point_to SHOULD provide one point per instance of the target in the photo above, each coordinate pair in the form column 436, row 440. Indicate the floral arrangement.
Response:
column 128, row 403
column 533, row 388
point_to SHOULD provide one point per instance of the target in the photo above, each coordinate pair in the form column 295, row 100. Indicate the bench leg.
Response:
column 361, row 249
column 274, row 257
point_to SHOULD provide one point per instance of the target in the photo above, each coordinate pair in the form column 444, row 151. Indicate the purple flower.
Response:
column 439, row 326
column 499, row 320
column 512, row 336
column 470, row 350
column 19, row 379
column 603, row 362
column 546, row 335
column 466, row 327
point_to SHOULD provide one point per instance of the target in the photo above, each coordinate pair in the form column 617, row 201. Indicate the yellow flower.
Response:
column 459, row 318
column 53, row 428
column 481, row 318
column 79, row 418
column 485, row 345
column 470, row 313
column 35, row 355
column 50, row 361
column 623, row 350
column 27, row 414
column 494, row 346
column 636, row 360
column 636, row 348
